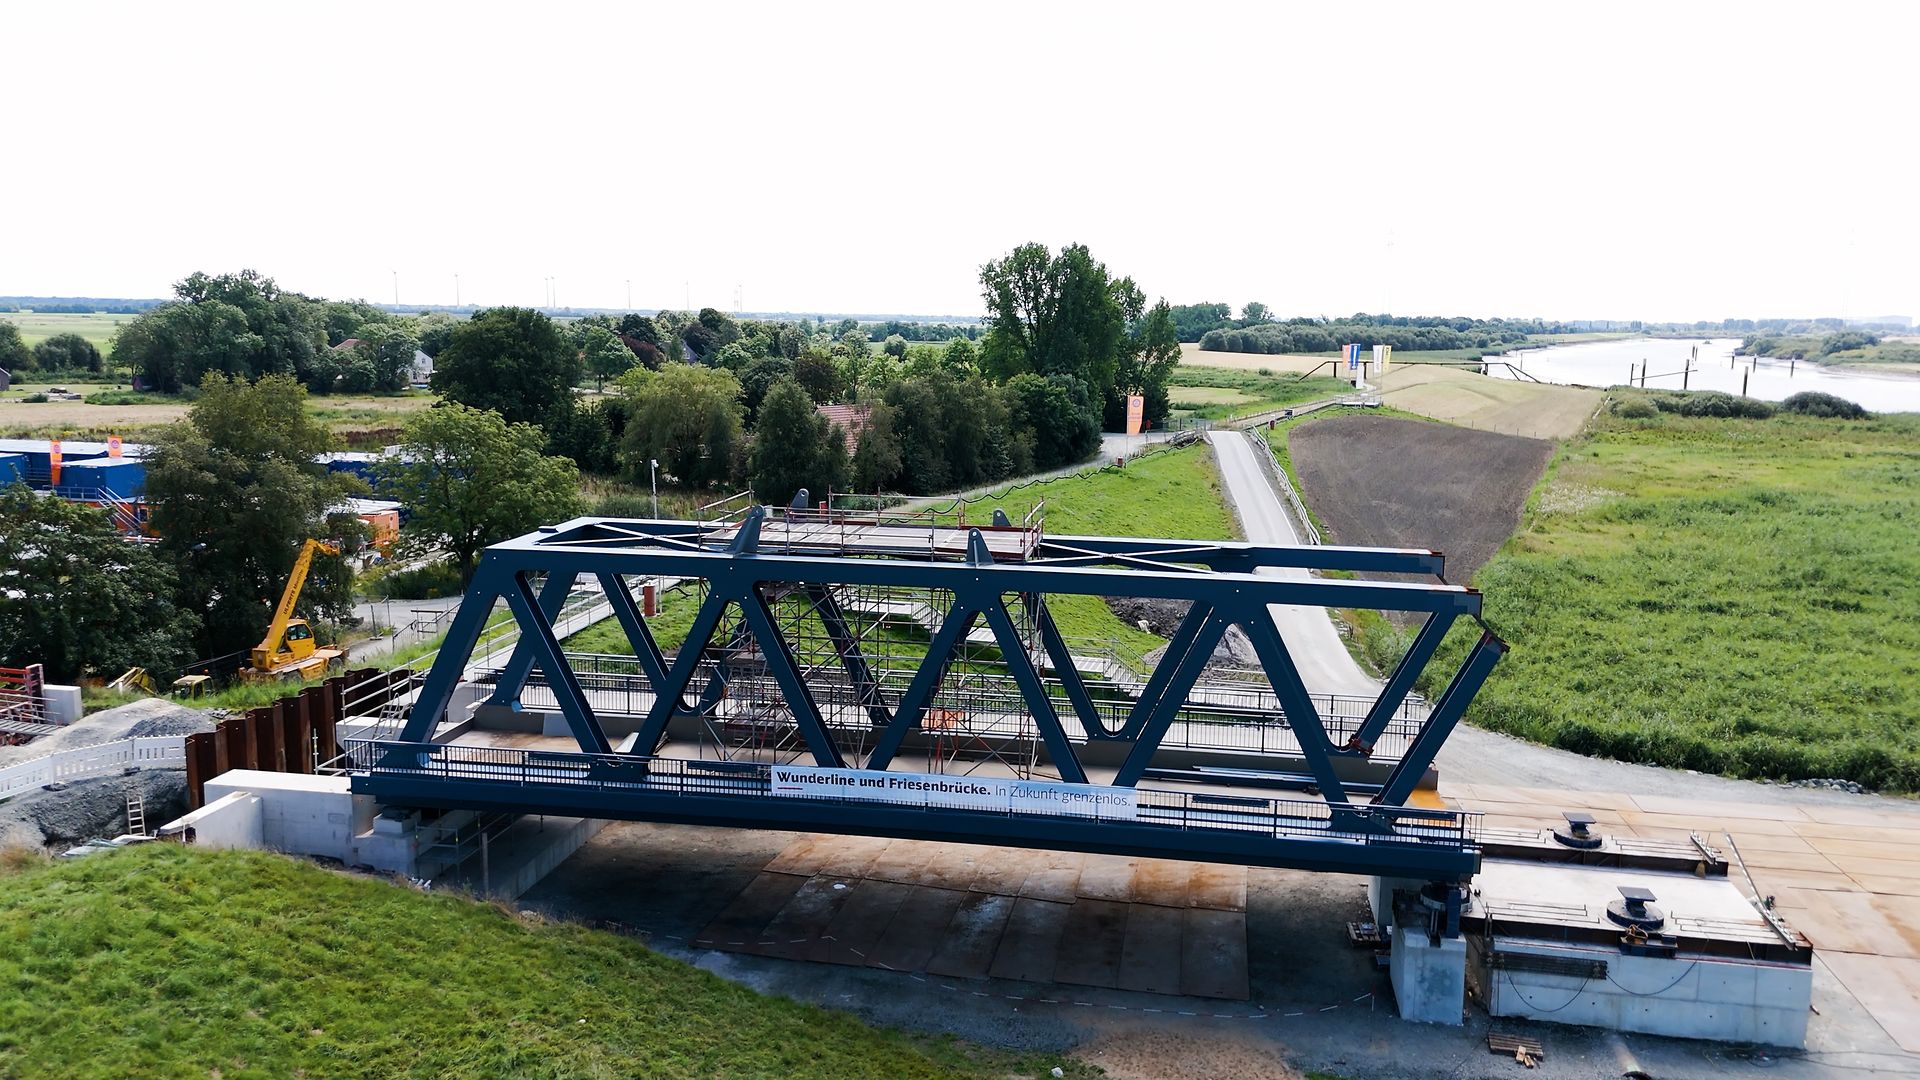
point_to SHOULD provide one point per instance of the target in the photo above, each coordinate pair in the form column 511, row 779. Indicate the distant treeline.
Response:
column 75, row 305
column 1402, row 332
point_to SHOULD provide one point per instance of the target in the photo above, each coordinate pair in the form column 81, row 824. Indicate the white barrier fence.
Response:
column 156, row 752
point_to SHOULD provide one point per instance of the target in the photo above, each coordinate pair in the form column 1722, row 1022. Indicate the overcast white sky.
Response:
column 1658, row 161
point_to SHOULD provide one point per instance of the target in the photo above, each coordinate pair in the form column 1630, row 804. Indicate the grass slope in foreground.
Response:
column 166, row 961
column 1732, row 596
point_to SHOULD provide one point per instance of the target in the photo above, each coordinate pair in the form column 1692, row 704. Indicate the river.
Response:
column 1607, row 363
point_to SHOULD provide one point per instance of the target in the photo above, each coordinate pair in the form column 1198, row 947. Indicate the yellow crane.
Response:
column 288, row 652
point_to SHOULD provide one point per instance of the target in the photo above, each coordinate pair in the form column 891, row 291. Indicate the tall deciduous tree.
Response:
column 603, row 354
column 1145, row 368
column 77, row 598
column 686, row 417
column 472, row 479
column 14, row 354
column 235, row 493
column 512, row 360
column 795, row 448
column 1057, row 315
column 234, row 324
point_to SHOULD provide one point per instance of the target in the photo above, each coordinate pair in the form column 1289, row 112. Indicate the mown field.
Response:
column 362, row 420
column 165, row 960
column 1219, row 393
column 36, row 327
column 1732, row 596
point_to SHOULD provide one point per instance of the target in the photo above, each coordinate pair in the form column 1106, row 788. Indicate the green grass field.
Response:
column 1731, row 596
column 165, row 960
column 1218, row 393
column 36, row 327
column 1174, row 493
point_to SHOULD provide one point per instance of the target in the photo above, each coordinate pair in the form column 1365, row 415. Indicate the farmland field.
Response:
column 97, row 328
column 362, row 418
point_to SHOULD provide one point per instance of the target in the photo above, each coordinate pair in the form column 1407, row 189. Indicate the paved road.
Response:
column 1316, row 647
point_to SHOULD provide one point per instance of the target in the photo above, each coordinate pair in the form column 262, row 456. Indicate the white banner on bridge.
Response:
column 999, row 794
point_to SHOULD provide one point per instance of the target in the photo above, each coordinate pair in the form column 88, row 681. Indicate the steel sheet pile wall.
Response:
column 293, row 735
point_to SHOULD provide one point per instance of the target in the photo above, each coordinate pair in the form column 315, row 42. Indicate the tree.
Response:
column 876, row 461
column 820, row 376
column 14, row 354
column 472, row 479
column 78, row 598
column 1253, row 312
column 1059, row 410
column 795, row 448
column 685, row 416
column 235, row 324
column 235, row 493
column 512, row 360
column 895, row 346
column 66, row 352
column 1193, row 320
column 758, row 377
column 1146, row 367
column 603, row 354
column 960, row 358
column 1057, row 315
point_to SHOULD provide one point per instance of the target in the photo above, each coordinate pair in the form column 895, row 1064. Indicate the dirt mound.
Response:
column 137, row 719
column 1387, row 482
column 1508, row 406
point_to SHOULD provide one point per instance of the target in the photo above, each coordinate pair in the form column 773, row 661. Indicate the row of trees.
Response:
column 244, row 325
column 1401, row 332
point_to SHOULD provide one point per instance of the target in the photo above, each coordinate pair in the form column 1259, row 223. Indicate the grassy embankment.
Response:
column 1173, row 493
column 164, row 960
column 1725, row 595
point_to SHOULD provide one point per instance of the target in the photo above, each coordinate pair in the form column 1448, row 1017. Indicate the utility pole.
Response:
column 653, row 473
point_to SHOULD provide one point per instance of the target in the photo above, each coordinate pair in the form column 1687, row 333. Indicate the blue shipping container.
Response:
column 122, row 479
column 13, row 469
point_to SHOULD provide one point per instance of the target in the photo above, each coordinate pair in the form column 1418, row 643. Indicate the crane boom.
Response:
column 263, row 652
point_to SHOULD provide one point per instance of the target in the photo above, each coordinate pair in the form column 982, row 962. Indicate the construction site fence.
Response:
column 79, row 763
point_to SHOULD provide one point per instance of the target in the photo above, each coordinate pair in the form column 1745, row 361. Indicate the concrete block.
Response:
column 1647, row 976
column 1429, row 981
column 62, row 702
column 1783, row 987
column 301, row 814
column 1726, row 984
column 234, row 820
column 1380, row 891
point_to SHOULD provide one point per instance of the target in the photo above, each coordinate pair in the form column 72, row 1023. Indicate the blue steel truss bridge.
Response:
column 905, row 676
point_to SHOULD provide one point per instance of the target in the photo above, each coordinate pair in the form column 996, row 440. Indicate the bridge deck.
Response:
column 1197, row 825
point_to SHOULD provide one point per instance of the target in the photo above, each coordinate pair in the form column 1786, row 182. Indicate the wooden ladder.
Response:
column 136, row 814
